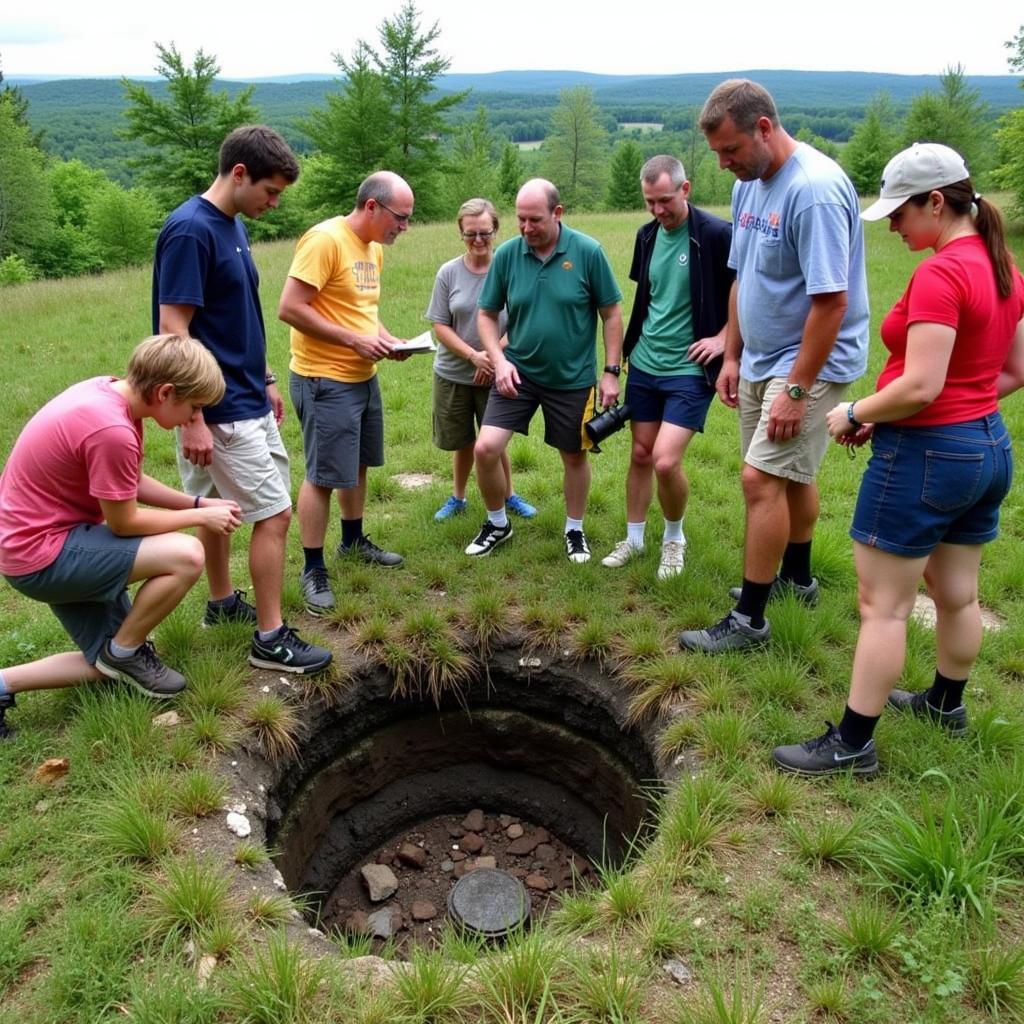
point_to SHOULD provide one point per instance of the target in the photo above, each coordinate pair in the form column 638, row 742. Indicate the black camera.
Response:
column 607, row 423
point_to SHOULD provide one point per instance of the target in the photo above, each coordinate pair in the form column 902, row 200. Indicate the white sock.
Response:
column 121, row 652
column 498, row 518
column 673, row 531
column 573, row 524
column 635, row 534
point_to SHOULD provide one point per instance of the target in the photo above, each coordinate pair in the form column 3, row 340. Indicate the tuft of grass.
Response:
column 625, row 896
column 726, row 997
column 215, row 683
column 169, row 994
column 516, row 982
column 132, row 829
column 276, row 985
column 269, row 909
column 963, row 862
column 829, row 997
column 693, row 818
column 191, row 895
column 996, row 981
column 726, row 736
column 825, row 842
column 994, row 734
column 213, row 731
column 198, row 793
column 329, row 686
column 274, row 726
column 487, row 618
column 605, row 987
column 664, row 683
column 678, row 736
column 577, row 912
column 773, row 794
column 250, row 855
column 221, row 938
column 372, row 634
column 662, row 929
column 640, row 640
column 868, row 930
column 429, row 988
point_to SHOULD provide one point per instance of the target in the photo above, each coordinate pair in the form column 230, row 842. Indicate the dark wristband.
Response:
column 849, row 415
column 198, row 498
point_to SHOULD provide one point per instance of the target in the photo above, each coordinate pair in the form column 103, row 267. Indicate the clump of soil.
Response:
column 426, row 861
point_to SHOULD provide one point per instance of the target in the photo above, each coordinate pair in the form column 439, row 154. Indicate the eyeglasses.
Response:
column 402, row 218
column 483, row 236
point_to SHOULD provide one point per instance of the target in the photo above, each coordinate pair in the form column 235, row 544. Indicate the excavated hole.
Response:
column 542, row 750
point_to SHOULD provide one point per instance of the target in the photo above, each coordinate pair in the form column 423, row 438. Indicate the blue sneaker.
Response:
column 452, row 507
column 518, row 507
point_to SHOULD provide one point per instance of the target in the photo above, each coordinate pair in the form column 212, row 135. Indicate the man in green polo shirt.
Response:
column 554, row 283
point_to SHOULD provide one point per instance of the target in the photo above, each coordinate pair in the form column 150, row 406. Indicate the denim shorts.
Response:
column 342, row 428
column 933, row 485
column 85, row 585
column 682, row 399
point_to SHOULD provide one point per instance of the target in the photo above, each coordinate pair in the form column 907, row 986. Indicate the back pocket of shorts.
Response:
column 952, row 481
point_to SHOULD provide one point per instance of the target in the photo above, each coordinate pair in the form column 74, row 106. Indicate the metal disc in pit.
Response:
column 489, row 902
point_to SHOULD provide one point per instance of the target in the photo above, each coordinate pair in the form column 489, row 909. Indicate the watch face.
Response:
column 795, row 391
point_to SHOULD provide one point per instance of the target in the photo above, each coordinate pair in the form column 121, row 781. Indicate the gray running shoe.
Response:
column 955, row 721
column 365, row 549
column 780, row 588
column 316, row 590
column 827, row 755
column 239, row 611
column 143, row 670
column 730, row 634
column 288, row 652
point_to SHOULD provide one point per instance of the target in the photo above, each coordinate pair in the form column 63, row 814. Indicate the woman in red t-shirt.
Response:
column 941, row 460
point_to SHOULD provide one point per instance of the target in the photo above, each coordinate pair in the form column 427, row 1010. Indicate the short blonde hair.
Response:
column 180, row 361
column 476, row 207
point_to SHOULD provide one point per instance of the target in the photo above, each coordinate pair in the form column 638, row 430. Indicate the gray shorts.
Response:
column 250, row 466
column 85, row 585
column 797, row 459
column 342, row 428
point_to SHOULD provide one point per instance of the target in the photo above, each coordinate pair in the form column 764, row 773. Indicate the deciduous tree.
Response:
column 575, row 149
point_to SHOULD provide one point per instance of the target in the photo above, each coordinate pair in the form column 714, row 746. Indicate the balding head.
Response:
column 539, row 189
column 384, row 186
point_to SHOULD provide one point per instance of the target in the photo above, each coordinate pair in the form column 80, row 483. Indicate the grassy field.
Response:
column 893, row 900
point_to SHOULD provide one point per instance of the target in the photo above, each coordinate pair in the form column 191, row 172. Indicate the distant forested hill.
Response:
column 81, row 117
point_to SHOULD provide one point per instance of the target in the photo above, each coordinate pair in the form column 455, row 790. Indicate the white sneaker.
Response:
column 673, row 555
column 621, row 554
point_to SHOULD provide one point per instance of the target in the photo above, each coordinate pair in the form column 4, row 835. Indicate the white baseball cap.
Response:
column 922, row 167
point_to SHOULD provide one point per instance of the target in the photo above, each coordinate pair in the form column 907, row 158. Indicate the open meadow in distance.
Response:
column 776, row 893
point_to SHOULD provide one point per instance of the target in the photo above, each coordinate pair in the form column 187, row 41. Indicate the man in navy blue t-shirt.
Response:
column 206, row 284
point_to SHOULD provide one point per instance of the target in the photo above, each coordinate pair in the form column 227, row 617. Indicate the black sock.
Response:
column 753, row 601
column 314, row 558
column 796, row 563
column 946, row 694
column 856, row 729
column 351, row 531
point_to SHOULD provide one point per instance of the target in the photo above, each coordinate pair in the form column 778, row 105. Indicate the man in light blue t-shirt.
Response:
column 797, row 336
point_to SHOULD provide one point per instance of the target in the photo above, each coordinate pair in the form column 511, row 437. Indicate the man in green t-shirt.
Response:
column 554, row 283
column 674, row 345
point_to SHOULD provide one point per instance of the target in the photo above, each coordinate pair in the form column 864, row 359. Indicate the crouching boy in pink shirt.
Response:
column 79, row 520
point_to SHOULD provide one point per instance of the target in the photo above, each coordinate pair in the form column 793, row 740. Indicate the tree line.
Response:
column 62, row 217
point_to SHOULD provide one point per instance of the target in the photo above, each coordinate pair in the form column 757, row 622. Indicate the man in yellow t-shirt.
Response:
column 330, row 301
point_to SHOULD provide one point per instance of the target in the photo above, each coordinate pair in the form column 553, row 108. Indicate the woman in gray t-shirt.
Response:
column 463, row 373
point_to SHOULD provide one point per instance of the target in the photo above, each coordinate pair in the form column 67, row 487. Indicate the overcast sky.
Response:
column 253, row 39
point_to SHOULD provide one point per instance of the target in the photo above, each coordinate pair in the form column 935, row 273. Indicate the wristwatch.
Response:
column 614, row 369
column 796, row 392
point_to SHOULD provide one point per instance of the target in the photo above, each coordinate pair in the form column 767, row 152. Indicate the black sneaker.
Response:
column 316, row 590
column 730, row 634
column 288, row 652
column 6, row 701
column 489, row 537
column 576, row 546
column 365, row 549
column 807, row 595
column 955, row 721
column 239, row 611
column 827, row 755
column 143, row 670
